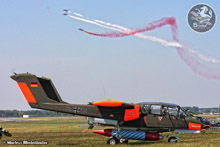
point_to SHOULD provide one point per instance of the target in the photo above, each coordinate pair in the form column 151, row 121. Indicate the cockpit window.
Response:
column 182, row 114
column 155, row 109
column 165, row 111
column 145, row 109
column 172, row 111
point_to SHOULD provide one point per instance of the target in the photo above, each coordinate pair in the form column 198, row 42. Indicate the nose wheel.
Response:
column 173, row 139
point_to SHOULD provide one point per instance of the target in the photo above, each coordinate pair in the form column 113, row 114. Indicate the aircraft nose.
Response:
column 205, row 126
column 208, row 126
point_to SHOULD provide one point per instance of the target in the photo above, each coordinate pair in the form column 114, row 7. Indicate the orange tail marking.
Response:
column 27, row 93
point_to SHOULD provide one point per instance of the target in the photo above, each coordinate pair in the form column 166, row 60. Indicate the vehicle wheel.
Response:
column 123, row 141
column 172, row 139
column 112, row 141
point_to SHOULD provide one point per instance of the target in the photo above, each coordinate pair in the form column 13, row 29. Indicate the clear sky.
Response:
column 35, row 37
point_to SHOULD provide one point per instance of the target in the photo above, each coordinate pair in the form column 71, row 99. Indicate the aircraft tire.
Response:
column 112, row 141
column 172, row 139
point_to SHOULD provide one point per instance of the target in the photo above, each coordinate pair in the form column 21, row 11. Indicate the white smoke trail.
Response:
column 148, row 37
column 161, row 41
column 92, row 22
column 77, row 14
column 113, row 25
column 201, row 56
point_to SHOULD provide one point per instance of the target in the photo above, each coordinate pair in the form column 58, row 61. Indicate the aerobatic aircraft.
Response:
column 66, row 10
column 140, row 121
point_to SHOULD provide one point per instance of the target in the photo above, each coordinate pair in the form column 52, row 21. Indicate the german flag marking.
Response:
column 34, row 85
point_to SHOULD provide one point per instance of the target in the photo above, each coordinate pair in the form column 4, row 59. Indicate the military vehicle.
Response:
column 140, row 121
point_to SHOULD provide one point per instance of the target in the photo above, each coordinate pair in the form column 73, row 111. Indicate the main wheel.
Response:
column 112, row 141
column 172, row 139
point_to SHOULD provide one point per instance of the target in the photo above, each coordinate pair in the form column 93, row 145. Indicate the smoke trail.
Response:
column 156, row 24
column 170, row 21
column 197, row 67
column 114, row 25
column 201, row 56
column 159, row 23
column 92, row 22
column 77, row 14
column 125, row 32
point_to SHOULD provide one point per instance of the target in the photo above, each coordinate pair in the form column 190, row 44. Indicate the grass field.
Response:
column 74, row 132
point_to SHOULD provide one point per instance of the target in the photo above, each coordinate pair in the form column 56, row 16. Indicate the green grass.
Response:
column 74, row 133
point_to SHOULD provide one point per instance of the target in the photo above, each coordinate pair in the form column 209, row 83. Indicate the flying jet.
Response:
column 66, row 10
column 81, row 29
column 140, row 121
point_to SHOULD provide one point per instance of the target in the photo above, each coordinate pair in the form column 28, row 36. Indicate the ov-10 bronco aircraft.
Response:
column 141, row 121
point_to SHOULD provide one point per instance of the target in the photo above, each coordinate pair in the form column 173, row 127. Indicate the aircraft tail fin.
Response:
column 37, row 90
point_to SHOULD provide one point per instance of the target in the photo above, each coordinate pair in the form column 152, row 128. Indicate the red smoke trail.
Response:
column 195, row 65
column 151, row 26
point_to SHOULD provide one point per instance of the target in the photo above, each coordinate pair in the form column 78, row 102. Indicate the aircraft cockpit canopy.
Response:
column 163, row 109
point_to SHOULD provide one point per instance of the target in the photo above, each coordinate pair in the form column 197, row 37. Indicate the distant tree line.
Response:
column 192, row 109
column 198, row 110
column 31, row 113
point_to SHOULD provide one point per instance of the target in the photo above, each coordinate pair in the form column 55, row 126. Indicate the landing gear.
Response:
column 172, row 139
column 112, row 141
